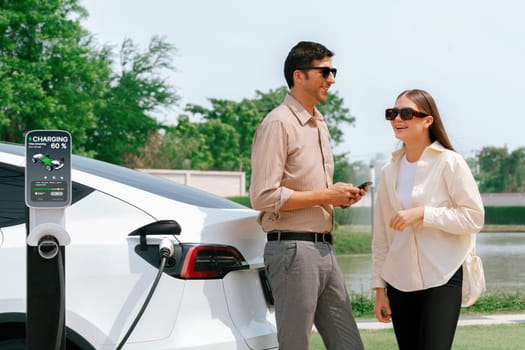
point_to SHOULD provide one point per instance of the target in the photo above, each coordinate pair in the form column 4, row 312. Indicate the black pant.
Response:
column 426, row 319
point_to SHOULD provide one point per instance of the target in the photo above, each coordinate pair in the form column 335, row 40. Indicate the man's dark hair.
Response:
column 302, row 55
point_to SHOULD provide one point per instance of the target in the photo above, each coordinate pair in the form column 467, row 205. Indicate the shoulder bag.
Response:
column 473, row 277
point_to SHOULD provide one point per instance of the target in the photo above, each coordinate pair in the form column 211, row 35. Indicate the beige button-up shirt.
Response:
column 428, row 254
column 291, row 152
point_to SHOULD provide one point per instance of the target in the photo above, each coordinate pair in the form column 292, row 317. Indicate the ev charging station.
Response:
column 48, row 191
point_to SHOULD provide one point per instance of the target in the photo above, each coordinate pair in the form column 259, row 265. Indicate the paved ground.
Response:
column 463, row 321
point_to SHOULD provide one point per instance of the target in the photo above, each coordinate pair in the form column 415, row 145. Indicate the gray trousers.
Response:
column 309, row 288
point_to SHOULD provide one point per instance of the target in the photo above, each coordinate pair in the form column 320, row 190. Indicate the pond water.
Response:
column 502, row 253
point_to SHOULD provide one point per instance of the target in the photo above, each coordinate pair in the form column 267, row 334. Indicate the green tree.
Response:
column 343, row 169
column 231, row 120
column 140, row 88
column 336, row 115
column 229, row 127
column 177, row 147
column 493, row 169
column 497, row 170
column 189, row 145
column 517, row 170
column 50, row 77
column 220, row 137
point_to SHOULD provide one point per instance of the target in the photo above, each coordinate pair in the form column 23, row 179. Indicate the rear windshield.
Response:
column 143, row 181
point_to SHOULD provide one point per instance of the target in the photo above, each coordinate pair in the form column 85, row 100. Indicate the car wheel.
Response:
column 13, row 344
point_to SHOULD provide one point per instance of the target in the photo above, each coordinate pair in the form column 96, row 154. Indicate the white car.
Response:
column 212, row 295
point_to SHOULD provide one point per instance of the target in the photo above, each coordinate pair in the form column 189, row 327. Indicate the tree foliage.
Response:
column 497, row 170
column 49, row 76
column 220, row 137
column 126, row 121
column 228, row 128
column 179, row 147
column 54, row 76
column 344, row 171
column 336, row 115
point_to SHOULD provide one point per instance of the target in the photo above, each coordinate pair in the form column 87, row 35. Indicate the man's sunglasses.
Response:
column 325, row 71
column 404, row 113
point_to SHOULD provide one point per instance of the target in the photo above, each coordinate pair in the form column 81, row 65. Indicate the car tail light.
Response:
column 196, row 261
column 211, row 261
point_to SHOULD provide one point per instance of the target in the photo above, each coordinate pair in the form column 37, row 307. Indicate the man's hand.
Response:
column 347, row 194
column 339, row 195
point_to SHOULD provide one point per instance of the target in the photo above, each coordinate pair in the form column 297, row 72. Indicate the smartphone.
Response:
column 364, row 184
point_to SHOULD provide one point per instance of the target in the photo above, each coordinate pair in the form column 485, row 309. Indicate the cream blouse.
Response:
column 427, row 254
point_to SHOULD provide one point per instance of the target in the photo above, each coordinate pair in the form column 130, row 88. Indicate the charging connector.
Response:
column 48, row 247
column 166, row 250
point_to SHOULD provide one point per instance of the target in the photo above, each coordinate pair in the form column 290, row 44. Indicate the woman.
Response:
column 428, row 207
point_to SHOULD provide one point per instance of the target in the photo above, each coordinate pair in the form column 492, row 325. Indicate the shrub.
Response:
column 244, row 200
column 505, row 215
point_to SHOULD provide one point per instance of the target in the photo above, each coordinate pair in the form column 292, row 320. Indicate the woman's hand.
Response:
column 382, row 306
column 404, row 218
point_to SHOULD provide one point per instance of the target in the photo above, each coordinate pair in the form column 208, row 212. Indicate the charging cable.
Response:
column 166, row 250
column 62, row 316
column 48, row 248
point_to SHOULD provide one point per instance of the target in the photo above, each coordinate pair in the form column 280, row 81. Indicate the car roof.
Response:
column 159, row 186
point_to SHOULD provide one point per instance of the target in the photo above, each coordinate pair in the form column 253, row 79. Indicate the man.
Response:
column 291, row 184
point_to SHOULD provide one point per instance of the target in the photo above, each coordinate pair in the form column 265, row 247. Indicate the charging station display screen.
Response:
column 48, row 169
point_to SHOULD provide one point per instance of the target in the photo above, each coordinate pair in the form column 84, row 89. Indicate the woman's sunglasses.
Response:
column 325, row 71
column 404, row 113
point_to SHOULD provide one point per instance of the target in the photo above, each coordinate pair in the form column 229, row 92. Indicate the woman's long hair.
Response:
column 426, row 104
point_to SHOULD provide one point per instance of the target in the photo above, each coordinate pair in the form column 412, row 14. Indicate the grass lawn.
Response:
column 493, row 337
column 352, row 240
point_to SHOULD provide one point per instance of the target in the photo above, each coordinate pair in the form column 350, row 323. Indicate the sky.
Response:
column 468, row 54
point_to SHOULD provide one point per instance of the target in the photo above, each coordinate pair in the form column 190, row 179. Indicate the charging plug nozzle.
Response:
column 166, row 248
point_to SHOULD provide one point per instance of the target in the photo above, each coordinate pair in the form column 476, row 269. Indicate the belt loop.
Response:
column 278, row 236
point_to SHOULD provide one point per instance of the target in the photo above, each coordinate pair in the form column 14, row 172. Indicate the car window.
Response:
column 12, row 200
column 162, row 187
column 157, row 185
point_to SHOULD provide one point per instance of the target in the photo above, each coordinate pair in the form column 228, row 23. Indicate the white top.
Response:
column 427, row 254
column 405, row 182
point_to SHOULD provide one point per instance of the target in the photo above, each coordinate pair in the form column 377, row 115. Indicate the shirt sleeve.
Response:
column 269, row 153
column 466, row 215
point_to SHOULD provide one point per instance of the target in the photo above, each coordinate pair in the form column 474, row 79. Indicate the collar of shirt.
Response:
column 300, row 112
column 435, row 146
